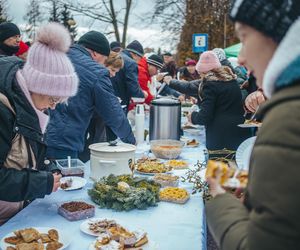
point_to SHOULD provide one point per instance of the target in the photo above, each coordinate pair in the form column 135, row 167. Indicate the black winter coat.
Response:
column 221, row 111
column 188, row 88
column 125, row 82
column 25, row 184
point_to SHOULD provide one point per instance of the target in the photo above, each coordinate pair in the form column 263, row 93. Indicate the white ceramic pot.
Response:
column 106, row 159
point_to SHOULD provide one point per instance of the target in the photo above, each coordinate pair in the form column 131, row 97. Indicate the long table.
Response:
column 170, row 226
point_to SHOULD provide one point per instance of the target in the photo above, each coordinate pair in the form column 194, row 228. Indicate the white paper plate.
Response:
column 243, row 153
column 151, row 174
column 64, row 238
column 151, row 245
column 249, row 125
column 78, row 182
column 84, row 227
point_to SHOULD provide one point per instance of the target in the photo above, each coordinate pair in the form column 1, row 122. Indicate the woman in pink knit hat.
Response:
column 26, row 91
column 221, row 106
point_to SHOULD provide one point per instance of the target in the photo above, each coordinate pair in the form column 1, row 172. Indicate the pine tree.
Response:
column 55, row 14
column 33, row 17
column 3, row 11
column 68, row 21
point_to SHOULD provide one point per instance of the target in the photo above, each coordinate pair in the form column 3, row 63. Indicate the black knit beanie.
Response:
column 8, row 30
column 95, row 41
column 271, row 17
column 136, row 48
column 156, row 61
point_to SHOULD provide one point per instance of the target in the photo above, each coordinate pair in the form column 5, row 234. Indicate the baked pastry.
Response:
column 219, row 169
column 119, row 234
column 53, row 235
column 10, row 248
column 54, row 245
column 192, row 143
column 14, row 240
column 29, row 234
column 30, row 246
column 107, row 245
column 45, row 238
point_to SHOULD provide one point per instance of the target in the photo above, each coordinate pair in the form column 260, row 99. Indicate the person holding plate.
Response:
column 268, row 217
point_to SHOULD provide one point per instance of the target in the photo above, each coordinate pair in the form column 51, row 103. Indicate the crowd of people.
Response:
column 57, row 98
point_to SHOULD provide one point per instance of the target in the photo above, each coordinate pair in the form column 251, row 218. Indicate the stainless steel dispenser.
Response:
column 165, row 119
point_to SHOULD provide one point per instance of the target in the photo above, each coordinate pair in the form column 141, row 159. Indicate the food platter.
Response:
column 151, row 245
column 243, row 153
column 64, row 238
column 115, row 232
column 250, row 124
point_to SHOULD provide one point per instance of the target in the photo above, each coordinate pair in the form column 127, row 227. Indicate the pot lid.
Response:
column 105, row 147
column 166, row 102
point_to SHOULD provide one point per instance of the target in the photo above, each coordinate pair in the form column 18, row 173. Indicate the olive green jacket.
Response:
column 270, row 216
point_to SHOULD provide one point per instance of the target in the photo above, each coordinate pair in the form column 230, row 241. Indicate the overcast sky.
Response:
column 148, row 35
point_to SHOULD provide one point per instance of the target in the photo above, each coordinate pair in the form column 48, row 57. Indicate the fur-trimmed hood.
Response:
column 284, row 67
column 222, row 74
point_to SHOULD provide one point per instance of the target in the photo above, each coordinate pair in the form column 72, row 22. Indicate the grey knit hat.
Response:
column 271, row 17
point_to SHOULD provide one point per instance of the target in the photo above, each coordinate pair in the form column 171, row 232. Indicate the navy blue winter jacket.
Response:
column 125, row 83
column 69, row 122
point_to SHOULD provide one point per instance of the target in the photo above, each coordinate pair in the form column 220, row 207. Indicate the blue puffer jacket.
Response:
column 125, row 83
column 69, row 122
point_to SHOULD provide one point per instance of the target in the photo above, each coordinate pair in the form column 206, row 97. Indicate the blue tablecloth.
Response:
column 170, row 226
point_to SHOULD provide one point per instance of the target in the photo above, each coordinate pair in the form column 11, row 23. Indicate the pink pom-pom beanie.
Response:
column 48, row 70
column 207, row 61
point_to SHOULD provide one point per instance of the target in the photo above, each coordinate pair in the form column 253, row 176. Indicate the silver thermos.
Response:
column 165, row 119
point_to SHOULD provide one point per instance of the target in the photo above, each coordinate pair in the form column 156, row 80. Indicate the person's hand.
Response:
column 254, row 100
column 181, row 98
column 193, row 100
column 167, row 79
column 214, row 187
column 160, row 76
column 189, row 117
column 56, row 181
column 145, row 94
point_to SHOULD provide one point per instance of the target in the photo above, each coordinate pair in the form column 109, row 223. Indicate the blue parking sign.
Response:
column 200, row 43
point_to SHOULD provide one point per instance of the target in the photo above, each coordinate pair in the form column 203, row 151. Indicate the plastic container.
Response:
column 139, row 123
column 76, row 210
column 166, row 149
column 76, row 167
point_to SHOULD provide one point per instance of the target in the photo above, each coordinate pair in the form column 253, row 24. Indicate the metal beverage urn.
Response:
column 165, row 119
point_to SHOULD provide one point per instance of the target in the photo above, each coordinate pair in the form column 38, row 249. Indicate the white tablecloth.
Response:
column 171, row 226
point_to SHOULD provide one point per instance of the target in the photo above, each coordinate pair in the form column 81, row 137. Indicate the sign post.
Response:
column 200, row 43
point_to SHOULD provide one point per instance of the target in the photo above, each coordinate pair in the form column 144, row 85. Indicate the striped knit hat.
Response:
column 156, row 61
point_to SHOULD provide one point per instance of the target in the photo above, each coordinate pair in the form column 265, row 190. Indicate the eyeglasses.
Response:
column 55, row 100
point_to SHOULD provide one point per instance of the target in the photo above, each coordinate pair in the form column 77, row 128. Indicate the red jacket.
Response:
column 144, row 78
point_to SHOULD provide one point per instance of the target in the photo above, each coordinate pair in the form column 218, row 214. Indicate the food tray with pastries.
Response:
column 166, row 180
column 112, row 235
column 76, row 210
column 35, row 238
column 225, row 174
column 152, row 167
column 177, row 164
column 174, row 194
